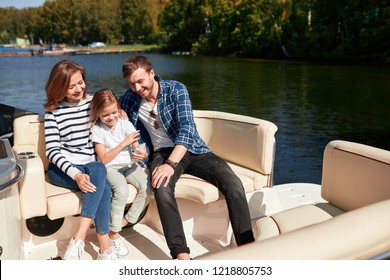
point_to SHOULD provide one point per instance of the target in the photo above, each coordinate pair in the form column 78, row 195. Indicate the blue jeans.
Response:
column 95, row 205
column 215, row 170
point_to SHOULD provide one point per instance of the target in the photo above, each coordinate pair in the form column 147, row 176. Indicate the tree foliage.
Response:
column 347, row 30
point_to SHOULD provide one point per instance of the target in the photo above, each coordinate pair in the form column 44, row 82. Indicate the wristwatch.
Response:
column 171, row 163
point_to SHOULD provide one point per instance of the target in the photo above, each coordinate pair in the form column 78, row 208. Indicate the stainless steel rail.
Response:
column 19, row 175
column 382, row 256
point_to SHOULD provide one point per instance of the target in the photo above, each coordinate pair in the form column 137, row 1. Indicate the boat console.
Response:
column 10, row 227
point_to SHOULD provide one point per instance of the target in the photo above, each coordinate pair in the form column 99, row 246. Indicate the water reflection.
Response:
column 311, row 104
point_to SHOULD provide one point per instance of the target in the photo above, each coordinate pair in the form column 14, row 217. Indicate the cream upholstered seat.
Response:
column 362, row 233
column 246, row 143
column 352, row 224
column 354, row 175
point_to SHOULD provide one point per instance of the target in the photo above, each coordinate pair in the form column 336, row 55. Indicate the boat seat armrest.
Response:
column 32, row 186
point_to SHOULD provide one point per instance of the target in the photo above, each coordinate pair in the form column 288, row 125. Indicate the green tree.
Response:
column 341, row 30
column 9, row 25
column 137, row 24
column 250, row 28
column 182, row 22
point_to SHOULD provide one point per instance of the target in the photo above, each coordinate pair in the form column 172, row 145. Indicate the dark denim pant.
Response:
column 214, row 170
column 95, row 205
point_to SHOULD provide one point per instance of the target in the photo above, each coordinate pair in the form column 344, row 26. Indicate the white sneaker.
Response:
column 119, row 246
column 74, row 250
column 109, row 254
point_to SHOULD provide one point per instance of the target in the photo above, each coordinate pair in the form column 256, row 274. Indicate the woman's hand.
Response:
column 123, row 115
column 83, row 182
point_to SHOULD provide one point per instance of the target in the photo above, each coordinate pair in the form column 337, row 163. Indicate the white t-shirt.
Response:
column 159, row 137
column 111, row 138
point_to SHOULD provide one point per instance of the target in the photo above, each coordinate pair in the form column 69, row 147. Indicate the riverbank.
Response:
column 116, row 49
column 37, row 50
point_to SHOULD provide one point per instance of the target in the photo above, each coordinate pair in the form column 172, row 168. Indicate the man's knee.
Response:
column 233, row 187
column 163, row 194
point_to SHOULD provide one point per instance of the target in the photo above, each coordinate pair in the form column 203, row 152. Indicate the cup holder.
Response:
column 26, row 155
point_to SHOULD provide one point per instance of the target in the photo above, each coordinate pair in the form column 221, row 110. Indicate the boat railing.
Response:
column 14, row 180
column 8, row 165
column 7, row 135
column 382, row 256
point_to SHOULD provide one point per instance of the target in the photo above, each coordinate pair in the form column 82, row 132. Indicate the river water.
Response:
column 310, row 103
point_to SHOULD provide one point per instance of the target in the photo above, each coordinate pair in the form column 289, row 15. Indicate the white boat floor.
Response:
column 146, row 243
column 143, row 244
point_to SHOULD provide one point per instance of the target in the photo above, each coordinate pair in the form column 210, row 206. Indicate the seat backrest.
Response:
column 29, row 131
column 242, row 140
column 355, row 175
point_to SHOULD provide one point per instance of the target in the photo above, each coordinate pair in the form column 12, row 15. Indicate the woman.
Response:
column 72, row 158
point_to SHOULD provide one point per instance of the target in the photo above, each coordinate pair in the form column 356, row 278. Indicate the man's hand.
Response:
column 161, row 175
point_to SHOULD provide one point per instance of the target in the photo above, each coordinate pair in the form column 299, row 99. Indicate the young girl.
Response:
column 112, row 137
column 72, row 158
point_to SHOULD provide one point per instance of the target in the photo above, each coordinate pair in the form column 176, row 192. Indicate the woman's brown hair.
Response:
column 58, row 82
column 100, row 100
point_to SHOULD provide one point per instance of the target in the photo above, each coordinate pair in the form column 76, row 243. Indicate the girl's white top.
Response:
column 111, row 138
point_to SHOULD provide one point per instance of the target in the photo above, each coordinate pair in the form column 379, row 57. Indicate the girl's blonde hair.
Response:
column 58, row 83
column 101, row 99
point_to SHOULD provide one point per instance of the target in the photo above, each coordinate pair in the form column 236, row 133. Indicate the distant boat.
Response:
column 15, row 51
column 51, row 51
column 56, row 52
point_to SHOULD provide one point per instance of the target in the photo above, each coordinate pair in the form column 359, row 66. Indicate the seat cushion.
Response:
column 62, row 202
column 199, row 190
column 290, row 220
column 358, row 234
column 196, row 189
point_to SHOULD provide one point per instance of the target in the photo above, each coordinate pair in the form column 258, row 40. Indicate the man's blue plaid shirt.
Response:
column 175, row 111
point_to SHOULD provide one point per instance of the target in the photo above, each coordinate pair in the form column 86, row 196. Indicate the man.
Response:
column 163, row 109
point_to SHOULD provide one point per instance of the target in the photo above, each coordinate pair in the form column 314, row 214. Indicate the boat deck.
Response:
column 146, row 241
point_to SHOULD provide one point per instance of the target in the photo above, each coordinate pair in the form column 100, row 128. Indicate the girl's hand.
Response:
column 139, row 154
column 131, row 138
column 83, row 182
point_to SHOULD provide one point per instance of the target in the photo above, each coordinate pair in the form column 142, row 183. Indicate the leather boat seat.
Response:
column 246, row 143
column 353, row 223
column 354, row 175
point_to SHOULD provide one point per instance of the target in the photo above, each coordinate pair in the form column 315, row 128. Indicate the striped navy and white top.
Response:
column 68, row 136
